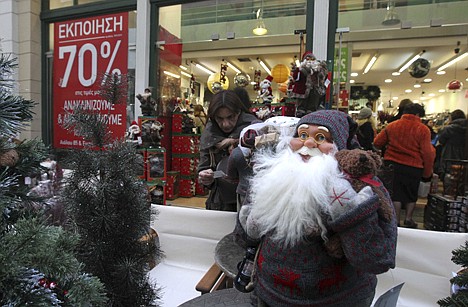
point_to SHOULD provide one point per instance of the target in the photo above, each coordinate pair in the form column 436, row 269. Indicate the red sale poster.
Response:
column 84, row 50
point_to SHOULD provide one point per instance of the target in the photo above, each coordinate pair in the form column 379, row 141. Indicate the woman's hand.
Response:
column 205, row 177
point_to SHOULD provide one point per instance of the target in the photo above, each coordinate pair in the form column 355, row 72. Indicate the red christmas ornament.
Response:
column 42, row 282
column 454, row 85
column 52, row 285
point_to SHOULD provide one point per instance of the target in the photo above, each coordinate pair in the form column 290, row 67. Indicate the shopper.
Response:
column 409, row 151
column 366, row 129
column 321, row 242
column 401, row 108
column 227, row 117
column 452, row 142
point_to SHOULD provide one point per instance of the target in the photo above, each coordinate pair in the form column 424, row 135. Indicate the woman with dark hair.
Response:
column 401, row 108
column 452, row 140
column 410, row 152
column 244, row 97
column 227, row 117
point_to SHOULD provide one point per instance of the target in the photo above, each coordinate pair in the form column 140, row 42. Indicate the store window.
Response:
column 56, row 4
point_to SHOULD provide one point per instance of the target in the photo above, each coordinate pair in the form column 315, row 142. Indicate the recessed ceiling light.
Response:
column 417, row 85
column 395, row 73
column 442, row 72
column 395, row 97
column 408, row 91
column 388, row 80
column 431, row 95
column 428, row 80
column 423, row 98
column 352, row 81
column 354, row 74
column 416, row 101
column 442, row 91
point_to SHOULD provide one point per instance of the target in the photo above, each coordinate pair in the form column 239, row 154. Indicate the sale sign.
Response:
column 84, row 51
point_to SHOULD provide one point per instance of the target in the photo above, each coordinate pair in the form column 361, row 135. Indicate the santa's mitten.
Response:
column 343, row 197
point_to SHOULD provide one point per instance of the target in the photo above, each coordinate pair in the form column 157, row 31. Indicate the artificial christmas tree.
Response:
column 459, row 296
column 38, row 265
column 107, row 202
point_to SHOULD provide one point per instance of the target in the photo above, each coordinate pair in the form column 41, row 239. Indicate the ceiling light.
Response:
column 431, row 95
column 395, row 73
column 428, row 80
column 442, row 72
column 442, row 90
column 388, row 80
column 352, row 81
column 264, row 66
column 185, row 74
column 354, row 74
column 171, row 74
column 408, row 91
column 237, row 70
column 416, row 101
column 417, row 56
column 370, row 64
column 391, row 17
column 417, row 85
column 453, row 61
column 183, row 67
column 260, row 28
column 395, row 98
column 204, row 68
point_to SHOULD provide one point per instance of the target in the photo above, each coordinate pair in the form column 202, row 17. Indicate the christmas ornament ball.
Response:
column 419, row 68
column 214, row 83
column 9, row 158
column 455, row 85
column 242, row 79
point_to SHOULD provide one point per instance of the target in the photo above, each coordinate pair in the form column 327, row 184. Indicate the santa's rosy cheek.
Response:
column 296, row 144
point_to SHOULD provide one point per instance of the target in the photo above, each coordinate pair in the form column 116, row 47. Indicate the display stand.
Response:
column 446, row 214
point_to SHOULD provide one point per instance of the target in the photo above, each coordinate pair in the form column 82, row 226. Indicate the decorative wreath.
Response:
column 373, row 92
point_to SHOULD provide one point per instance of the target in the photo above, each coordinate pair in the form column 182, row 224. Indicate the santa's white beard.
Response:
column 289, row 195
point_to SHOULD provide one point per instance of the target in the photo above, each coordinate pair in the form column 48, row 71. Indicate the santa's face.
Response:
column 312, row 140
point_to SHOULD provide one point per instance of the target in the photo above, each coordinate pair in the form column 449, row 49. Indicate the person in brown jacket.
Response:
column 408, row 149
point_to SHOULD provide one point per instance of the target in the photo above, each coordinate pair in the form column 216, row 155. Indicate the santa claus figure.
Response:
column 265, row 92
column 134, row 133
column 307, row 84
column 318, row 241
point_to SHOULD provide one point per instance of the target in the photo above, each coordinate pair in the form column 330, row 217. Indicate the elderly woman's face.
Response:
column 226, row 119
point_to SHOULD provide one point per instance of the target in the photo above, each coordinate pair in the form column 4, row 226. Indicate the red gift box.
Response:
column 177, row 122
column 183, row 144
column 172, row 185
column 200, row 189
column 186, row 186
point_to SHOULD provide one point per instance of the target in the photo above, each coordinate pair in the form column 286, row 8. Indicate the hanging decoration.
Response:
column 214, row 83
column 192, row 84
column 455, row 84
column 419, row 68
column 222, row 73
column 241, row 79
column 257, row 75
column 283, row 87
column 280, row 73
column 372, row 92
column 357, row 92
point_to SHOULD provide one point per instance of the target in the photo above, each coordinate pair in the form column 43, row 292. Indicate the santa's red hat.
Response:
column 269, row 78
column 134, row 123
column 308, row 54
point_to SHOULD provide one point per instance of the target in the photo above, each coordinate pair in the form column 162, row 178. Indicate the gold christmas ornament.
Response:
column 214, row 83
column 9, row 158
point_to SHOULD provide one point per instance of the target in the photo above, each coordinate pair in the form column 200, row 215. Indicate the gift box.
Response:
column 187, row 186
column 155, row 164
column 186, row 164
column 172, row 185
column 444, row 214
column 200, row 189
column 183, row 144
column 177, row 122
